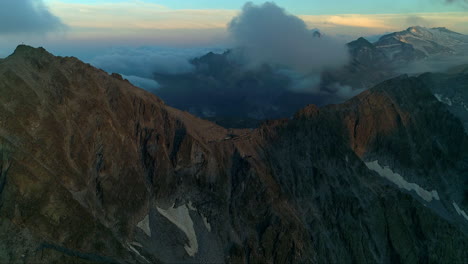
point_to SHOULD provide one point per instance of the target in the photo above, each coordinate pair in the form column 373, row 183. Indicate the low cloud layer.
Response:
column 343, row 91
column 27, row 16
column 140, row 64
column 145, row 83
column 144, row 61
column 434, row 64
column 267, row 34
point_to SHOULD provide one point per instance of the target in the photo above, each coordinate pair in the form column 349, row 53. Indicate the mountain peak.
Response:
column 416, row 29
column 446, row 30
column 360, row 42
column 22, row 50
column 420, row 29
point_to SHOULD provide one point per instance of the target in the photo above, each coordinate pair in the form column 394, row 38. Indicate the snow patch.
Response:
column 144, row 225
column 205, row 221
column 181, row 218
column 445, row 100
column 136, row 244
column 465, row 106
column 460, row 211
column 191, row 207
column 397, row 179
column 137, row 252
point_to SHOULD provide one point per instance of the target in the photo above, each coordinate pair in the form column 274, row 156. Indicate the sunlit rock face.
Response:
column 93, row 169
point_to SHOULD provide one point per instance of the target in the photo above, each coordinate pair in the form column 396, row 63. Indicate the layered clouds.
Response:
column 138, row 65
column 27, row 16
column 267, row 34
column 144, row 61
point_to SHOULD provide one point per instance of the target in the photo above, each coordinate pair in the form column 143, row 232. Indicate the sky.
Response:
column 73, row 25
column 98, row 31
column 306, row 7
column 137, row 38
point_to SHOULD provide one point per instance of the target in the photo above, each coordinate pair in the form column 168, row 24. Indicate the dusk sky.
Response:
column 85, row 28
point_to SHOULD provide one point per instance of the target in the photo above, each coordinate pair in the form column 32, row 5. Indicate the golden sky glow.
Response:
column 136, row 17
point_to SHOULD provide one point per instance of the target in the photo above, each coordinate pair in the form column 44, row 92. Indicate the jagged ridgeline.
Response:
column 95, row 170
column 223, row 89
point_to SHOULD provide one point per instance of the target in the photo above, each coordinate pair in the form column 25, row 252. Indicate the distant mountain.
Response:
column 95, row 170
column 369, row 66
column 366, row 53
column 375, row 62
column 420, row 42
column 223, row 90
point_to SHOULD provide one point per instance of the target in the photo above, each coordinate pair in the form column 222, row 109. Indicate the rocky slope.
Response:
column 451, row 89
column 96, row 170
column 416, row 137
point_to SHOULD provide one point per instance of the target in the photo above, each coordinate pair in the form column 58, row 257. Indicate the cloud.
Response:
column 302, row 83
column 27, row 16
column 344, row 91
column 356, row 21
column 138, row 65
column 357, row 25
column 136, row 22
column 143, row 61
column 418, row 21
column 434, row 64
column 267, row 34
column 147, row 84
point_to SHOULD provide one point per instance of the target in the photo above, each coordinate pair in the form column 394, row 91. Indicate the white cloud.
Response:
column 144, row 83
column 267, row 34
column 145, row 61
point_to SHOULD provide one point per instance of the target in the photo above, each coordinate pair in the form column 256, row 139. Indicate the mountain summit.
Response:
column 419, row 42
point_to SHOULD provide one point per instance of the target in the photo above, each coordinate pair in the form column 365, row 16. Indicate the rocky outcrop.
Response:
column 401, row 126
column 97, row 170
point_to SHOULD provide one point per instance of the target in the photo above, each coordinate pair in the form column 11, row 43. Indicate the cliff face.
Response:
column 89, row 152
column 94, row 169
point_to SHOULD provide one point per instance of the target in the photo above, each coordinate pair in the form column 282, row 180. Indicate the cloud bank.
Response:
column 143, row 61
column 27, row 16
column 147, row 84
column 267, row 34
column 138, row 65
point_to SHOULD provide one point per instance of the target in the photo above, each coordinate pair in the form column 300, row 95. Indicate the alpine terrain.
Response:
column 222, row 89
column 95, row 170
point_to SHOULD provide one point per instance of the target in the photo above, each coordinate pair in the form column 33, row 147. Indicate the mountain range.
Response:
column 223, row 90
column 95, row 170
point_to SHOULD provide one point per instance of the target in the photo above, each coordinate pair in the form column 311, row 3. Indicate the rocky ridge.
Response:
column 94, row 169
